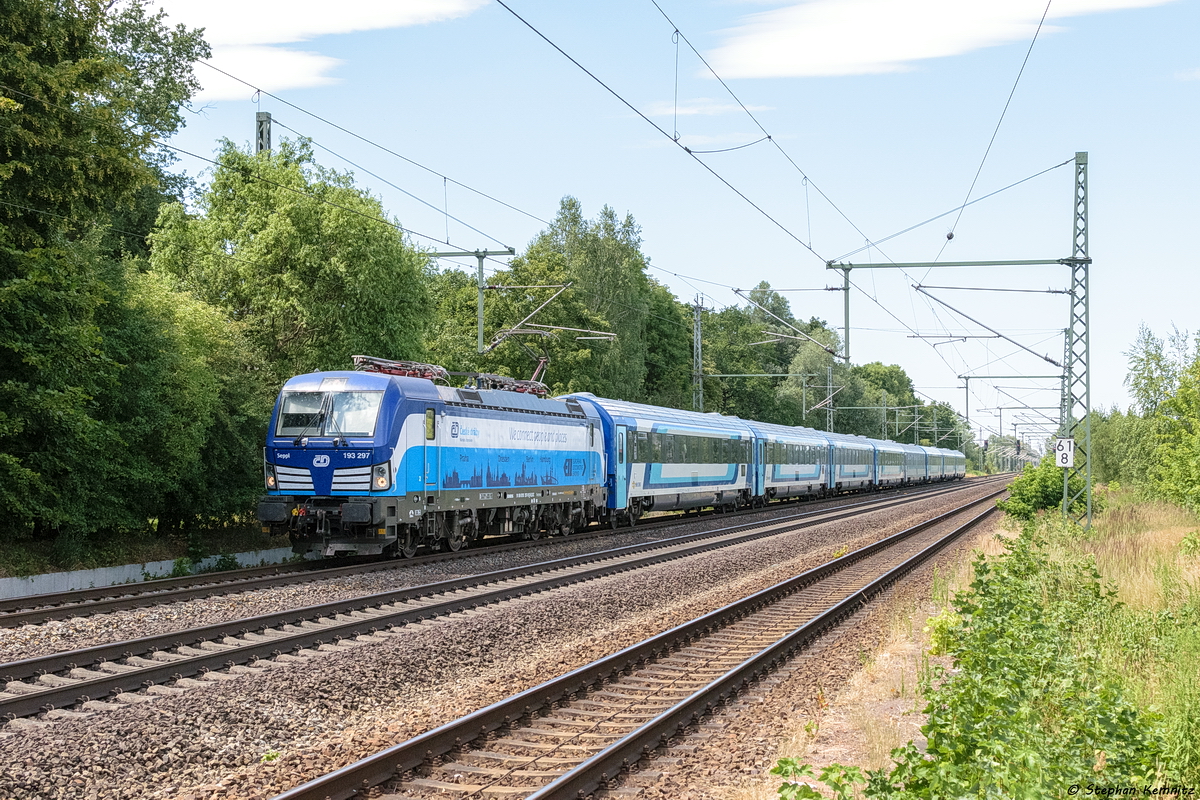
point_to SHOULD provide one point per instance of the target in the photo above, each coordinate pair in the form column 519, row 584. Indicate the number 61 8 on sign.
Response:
column 1064, row 452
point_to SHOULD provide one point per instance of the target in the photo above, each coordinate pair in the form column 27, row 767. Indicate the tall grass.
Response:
column 1144, row 550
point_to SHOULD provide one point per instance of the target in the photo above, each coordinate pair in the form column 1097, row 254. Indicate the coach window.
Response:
column 621, row 447
column 430, row 423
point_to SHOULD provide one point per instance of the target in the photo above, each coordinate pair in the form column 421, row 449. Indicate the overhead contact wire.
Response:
column 361, row 138
column 995, row 132
column 659, row 128
column 425, row 203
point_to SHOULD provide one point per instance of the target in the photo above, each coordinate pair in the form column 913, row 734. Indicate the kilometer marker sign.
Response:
column 1064, row 452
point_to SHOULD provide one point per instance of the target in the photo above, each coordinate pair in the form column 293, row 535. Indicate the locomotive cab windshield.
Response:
column 340, row 413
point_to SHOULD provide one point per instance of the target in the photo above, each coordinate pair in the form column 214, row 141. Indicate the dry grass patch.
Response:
column 1137, row 547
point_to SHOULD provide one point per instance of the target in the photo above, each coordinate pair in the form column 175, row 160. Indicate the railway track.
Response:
column 55, row 682
column 38, row 609
column 574, row 734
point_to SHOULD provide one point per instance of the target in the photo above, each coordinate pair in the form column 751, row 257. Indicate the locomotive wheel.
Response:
column 409, row 548
column 454, row 540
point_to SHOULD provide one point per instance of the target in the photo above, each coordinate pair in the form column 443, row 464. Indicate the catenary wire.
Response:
column 869, row 242
column 659, row 128
column 750, row 114
column 995, row 132
column 374, row 144
column 249, row 174
column 389, row 183
column 911, row 228
column 727, row 149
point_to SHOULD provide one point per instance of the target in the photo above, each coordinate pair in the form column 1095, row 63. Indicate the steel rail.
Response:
column 41, row 608
column 617, row 757
column 383, row 766
column 273, row 642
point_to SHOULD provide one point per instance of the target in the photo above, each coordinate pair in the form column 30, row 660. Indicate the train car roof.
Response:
column 848, row 440
column 353, row 380
column 684, row 419
column 769, row 429
column 514, row 401
column 889, row 446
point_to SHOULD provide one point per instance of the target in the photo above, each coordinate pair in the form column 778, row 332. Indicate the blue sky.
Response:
column 885, row 107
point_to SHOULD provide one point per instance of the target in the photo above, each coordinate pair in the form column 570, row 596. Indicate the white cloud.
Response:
column 1188, row 75
column 243, row 35
column 856, row 37
column 699, row 106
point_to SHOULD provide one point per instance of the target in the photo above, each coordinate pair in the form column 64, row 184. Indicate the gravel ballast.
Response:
column 343, row 704
column 30, row 641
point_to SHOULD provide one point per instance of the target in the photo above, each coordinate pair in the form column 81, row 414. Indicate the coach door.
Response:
column 432, row 452
column 622, row 470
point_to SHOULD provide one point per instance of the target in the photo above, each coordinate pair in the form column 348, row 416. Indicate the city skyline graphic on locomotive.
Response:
column 389, row 459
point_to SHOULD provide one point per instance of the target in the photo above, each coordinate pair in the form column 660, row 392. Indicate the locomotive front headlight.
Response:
column 381, row 476
column 269, row 475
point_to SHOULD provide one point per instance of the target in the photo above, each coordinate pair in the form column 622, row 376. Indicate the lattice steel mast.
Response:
column 1077, row 373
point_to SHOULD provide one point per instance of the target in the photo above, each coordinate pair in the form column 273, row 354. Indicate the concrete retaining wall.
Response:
column 130, row 573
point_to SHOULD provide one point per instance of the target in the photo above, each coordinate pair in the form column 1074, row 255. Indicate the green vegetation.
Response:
column 1035, row 702
column 1154, row 446
column 143, row 340
column 1076, row 653
column 1040, row 487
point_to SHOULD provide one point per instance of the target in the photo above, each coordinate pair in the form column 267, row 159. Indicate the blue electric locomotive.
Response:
column 385, row 460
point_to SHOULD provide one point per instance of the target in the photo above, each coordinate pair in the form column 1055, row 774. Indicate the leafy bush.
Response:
column 1041, row 487
column 1027, row 710
column 182, row 568
column 225, row 563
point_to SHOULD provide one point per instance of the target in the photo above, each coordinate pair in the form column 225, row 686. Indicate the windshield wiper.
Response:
column 317, row 420
column 336, row 429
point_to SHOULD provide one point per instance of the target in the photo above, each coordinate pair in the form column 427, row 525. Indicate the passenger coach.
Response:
column 792, row 462
column 664, row 459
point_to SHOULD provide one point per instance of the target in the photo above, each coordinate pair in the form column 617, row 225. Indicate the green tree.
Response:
column 307, row 262
column 188, row 408
column 76, row 146
column 650, row 354
column 1152, row 374
column 1175, row 471
column 668, row 350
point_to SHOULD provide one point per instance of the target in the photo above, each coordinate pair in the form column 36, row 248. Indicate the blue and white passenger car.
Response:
column 852, row 462
column 662, row 459
column 792, row 462
column 890, row 463
column 916, row 464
